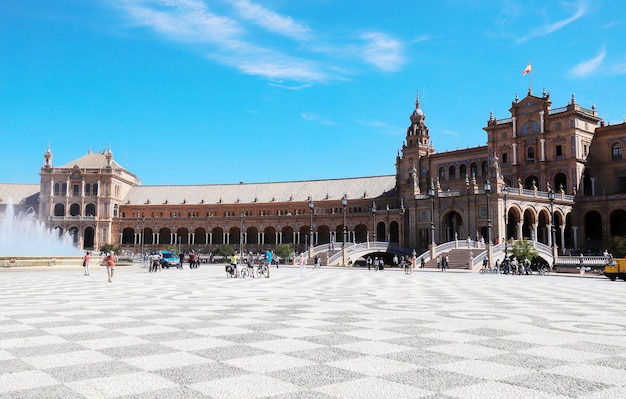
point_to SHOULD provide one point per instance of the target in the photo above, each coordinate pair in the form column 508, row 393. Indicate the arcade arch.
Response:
column 452, row 226
column 617, row 223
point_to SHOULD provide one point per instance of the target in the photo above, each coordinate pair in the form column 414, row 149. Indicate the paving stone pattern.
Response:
column 332, row 334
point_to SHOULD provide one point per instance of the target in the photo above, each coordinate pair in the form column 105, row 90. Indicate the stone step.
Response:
column 457, row 258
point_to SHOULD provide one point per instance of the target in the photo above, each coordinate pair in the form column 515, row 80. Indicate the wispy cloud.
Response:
column 382, row 51
column 313, row 117
column 580, row 9
column 588, row 67
column 619, row 69
column 237, row 36
column 271, row 21
column 186, row 20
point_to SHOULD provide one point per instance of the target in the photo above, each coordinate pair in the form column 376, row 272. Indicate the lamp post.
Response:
column 241, row 234
column 374, row 226
column 311, row 209
column 431, row 194
column 506, row 190
column 552, row 228
column 487, row 188
column 143, row 230
column 344, row 203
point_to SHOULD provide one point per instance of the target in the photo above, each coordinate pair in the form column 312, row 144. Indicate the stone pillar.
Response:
column 549, row 231
column 514, row 126
column 542, row 120
column 543, row 149
column 593, row 186
column 514, row 151
column 575, row 234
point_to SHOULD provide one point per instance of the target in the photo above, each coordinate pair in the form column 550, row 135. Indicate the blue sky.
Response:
column 223, row 91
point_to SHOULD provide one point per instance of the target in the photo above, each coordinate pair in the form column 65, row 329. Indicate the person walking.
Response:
column 110, row 262
column 193, row 261
column 181, row 259
column 302, row 265
column 438, row 262
column 86, row 260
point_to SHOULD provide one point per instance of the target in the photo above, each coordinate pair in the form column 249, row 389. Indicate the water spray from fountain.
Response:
column 24, row 235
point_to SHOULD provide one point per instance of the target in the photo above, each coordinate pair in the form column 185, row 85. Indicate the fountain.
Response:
column 25, row 241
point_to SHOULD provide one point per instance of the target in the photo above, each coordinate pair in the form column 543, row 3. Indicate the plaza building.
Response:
column 553, row 175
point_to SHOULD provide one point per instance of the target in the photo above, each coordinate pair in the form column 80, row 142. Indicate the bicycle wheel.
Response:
column 481, row 271
column 244, row 272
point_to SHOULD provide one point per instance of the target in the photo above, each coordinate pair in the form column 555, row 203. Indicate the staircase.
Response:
column 457, row 258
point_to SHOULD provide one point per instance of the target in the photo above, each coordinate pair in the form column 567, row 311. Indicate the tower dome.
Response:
column 417, row 117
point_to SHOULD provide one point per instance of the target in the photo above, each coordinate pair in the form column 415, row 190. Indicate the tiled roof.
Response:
column 19, row 193
column 296, row 191
column 91, row 161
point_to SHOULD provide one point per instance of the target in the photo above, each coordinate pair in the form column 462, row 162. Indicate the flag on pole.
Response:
column 528, row 69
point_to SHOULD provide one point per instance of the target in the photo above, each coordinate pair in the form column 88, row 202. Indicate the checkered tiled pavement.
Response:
column 332, row 334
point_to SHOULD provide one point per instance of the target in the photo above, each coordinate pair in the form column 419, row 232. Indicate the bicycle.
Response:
column 543, row 271
column 244, row 272
column 231, row 272
column 263, row 270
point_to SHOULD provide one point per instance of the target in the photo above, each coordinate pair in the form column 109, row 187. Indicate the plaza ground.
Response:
column 336, row 333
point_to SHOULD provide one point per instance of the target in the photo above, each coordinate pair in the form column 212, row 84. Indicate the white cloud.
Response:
column 619, row 69
column 185, row 20
column 313, row 117
column 235, row 40
column 309, row 116
column 580, row 10
column 588, row 67
column 270, row 20
column 382, row 51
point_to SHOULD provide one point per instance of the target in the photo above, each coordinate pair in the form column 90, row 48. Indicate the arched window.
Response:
column 474, row 169
column 442, row 174
column 616, row 151
column 530, row 154
column 452, row 172
column 59, row 210
column 56, row 188
column 484, row 168
column 90, row 210
column 75, row 210
column 463, row 171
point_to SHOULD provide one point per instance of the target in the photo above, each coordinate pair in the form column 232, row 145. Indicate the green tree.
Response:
column 224, row 250
column 283, row 251
column 106, row 248
column 522, row 249
column 171, row 248
column 617, row 246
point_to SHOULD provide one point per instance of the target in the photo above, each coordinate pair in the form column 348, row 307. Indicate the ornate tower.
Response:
column 412, row 167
